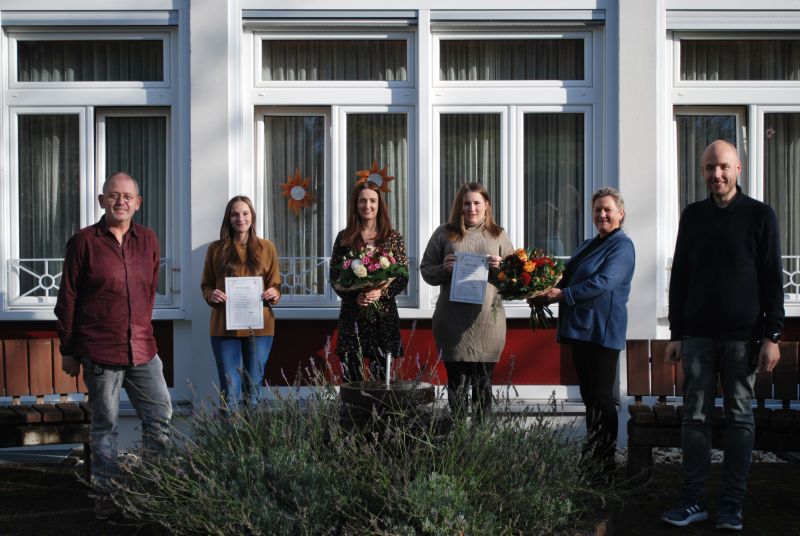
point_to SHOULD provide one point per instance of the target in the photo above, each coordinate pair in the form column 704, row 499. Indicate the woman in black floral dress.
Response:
column 362, row 333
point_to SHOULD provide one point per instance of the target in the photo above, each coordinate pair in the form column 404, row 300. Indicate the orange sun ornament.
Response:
column 377, row 176
column 296, row 189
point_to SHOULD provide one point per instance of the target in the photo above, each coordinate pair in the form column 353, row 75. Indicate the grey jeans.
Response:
column 703, row 359
column 149, row 395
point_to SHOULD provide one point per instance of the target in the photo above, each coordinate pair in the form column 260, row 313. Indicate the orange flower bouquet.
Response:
column 528, row 274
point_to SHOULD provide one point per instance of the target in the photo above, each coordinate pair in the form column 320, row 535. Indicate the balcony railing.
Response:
column 34, row 283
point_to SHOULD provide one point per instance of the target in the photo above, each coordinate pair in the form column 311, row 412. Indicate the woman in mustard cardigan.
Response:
column 239, row 252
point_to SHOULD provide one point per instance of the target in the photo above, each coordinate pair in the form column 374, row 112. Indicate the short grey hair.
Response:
column 612, row 193
column 108, row 179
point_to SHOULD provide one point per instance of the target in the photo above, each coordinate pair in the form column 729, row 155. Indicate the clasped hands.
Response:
column 270, row 295
column 365, row 299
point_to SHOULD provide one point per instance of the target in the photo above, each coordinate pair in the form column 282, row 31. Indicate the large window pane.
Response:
column 554, row 177
column 383, row 139
column 740, row 59
column 90, row 61
column 469, row 151
column 695, row 132
column 782, row 186
column 511, row 59
column 334, row 60
column 49, row 194
column 295, row 147
column 138, row 146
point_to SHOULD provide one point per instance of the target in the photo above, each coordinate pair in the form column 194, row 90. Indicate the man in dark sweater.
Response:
column 726, row 315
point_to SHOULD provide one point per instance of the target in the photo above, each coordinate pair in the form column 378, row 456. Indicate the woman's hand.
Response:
column 449, row 262
column 218, row 296
column 551, row 296
column 494, row 261
column 270, row 295
column 367, row 298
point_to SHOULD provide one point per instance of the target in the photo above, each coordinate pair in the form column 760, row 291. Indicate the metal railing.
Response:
column 34, row 283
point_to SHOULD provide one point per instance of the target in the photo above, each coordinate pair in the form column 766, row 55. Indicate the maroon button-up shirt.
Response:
column 106, row 296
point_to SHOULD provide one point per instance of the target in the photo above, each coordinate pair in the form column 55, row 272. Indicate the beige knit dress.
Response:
column 465, row 331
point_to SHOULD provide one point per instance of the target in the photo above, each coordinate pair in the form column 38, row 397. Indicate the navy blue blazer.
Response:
column 594, row 305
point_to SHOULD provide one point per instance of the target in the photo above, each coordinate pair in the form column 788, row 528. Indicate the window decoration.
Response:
column 297, row 191
column 375, row 175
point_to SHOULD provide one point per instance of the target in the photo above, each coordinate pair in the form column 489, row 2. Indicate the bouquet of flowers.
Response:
column 368, row 269
column 528, row 274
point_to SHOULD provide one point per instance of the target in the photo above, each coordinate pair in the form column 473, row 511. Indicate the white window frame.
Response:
column 86, row 99
column 44, row 34
column 588, row 58
column 86, row 195
column 410, row 298
column 328, row 297
column 169, row 250
column 356, row 35
column 748, row 98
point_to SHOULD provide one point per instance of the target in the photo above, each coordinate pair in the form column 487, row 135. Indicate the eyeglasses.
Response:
column 115, row 198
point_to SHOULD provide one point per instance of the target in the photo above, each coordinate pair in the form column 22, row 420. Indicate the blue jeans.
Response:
column 149, row 395
column 230, row 353
column 703, row 359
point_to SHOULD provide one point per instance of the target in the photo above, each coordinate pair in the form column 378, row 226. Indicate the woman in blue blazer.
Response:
column 593, row 317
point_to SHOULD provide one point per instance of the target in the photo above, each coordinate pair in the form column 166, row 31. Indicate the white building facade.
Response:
column 544, row 102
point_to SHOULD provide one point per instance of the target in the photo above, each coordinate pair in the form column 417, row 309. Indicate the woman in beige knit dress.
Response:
column 469, row 337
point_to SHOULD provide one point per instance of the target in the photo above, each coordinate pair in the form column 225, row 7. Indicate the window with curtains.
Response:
column 538, row 58
column 66, row 135
column 739, row 59
column 52, row 195
column 118, row 60
column 469, row 151
column 695, row 130
column 298, row 180
column 295, row 193
column 334, row 60
column 381, row 138
column 764, row 125
column 554, row 171
column 781, row 157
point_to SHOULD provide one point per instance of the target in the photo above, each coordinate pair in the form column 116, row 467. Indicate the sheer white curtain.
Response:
column 554, row 171
column 746, row 59
column 695, row 132
column 782, row 175
column 335, row 60
column 469, row 151
column 49, row 188
column 292, row 143
column 381, row 138
column 90, row 61
column 511, row 59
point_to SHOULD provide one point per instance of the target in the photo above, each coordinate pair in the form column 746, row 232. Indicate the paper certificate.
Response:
column 244, row 308
column 470, row 277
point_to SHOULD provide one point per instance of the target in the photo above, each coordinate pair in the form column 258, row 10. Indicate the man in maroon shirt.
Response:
column 104, row 310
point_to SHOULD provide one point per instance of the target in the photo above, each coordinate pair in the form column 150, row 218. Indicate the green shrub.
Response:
column 290, row 467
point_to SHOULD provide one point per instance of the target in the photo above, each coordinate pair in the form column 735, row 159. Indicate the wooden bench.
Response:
column 32, row 367
column 658, row 425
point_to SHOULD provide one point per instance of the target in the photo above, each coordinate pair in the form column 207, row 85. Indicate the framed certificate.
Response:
column 470, row 277
column 244, row 308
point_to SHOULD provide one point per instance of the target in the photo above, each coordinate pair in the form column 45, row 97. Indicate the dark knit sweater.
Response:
column 726, row 279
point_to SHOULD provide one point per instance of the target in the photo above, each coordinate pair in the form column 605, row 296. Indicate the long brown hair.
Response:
column 383, row 225
column 455, row 224
column 227, row 236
